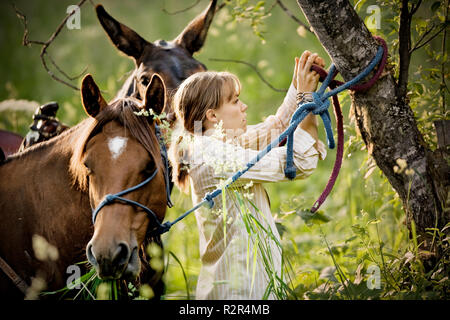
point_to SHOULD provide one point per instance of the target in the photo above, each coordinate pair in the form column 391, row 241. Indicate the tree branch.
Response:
column 181, row 10
column 254, row 69
column 190, row 7
column 44, row 53
column 419, row 45
column 404, row 49
column 63, row 72
column 414, row 8
column 443, row 48
column 292, row 16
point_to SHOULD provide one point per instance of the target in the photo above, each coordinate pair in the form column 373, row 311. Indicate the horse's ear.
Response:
column 92, row 99
column 155, row 94
column 193, row 36
column 125, row 39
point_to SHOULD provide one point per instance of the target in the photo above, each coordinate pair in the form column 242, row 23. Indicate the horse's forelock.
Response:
column 122, row 110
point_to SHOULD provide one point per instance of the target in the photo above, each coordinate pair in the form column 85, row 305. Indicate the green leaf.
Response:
column 373, row 221
column 259, row 5
column 280, row 227
column 418, row 87
column 358, row 230
column 311, row 218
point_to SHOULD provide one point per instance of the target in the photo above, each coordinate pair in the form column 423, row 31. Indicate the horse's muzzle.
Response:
column 117, row 263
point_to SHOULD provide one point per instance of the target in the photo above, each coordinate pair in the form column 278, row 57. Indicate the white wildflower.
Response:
column 219, row 132
column 248, row 185
column 249, row 195
column 143, row 113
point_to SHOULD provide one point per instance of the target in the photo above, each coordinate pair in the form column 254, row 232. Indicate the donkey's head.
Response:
column 172, row 60
column 118, row 151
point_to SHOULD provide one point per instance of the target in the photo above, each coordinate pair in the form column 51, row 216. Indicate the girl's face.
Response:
column 233, row 116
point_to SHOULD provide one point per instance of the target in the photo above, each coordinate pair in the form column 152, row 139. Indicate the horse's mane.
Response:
column 123, row 111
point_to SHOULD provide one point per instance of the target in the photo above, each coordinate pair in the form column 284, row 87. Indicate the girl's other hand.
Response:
column 305, row 80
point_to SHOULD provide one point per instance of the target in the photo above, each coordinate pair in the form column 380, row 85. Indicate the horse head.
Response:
column 172, row 60
column 118, row 152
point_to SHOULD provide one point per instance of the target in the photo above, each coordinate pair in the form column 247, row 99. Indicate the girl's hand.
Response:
column 304, row 79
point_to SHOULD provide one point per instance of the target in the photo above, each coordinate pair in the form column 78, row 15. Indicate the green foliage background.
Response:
column 329, row 260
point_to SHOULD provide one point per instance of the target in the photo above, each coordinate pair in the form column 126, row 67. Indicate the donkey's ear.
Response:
column 155, row 94
column 125, row 39
column 92, row 99
column 193, row 36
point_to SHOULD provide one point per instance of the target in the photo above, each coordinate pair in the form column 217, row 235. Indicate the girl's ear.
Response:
column 211, row 116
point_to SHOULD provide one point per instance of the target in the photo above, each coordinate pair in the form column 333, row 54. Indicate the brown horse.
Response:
column 49, row 191
column 172, row 60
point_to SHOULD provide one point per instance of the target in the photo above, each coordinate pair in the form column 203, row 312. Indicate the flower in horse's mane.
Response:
column 160, row 119
column 151, row 113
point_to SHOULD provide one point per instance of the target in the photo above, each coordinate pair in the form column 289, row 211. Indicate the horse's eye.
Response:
column 145, row 81
column 89, row 170
column 149, row 168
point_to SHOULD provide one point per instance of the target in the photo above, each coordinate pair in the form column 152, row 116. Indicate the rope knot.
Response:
column 209, row 198
column 321, row 105
column 109, row 198
column 290, row 172
column 163, row 228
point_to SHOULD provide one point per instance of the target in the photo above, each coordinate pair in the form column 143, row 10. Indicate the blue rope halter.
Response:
column 117, row 197
column 110, row 198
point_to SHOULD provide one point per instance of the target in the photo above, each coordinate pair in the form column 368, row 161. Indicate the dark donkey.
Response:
column 172, row 60
column 49, row 191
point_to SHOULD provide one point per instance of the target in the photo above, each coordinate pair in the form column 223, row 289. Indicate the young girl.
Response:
column 239, row 243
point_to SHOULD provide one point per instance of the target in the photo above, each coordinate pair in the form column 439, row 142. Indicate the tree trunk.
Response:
column 386, row 123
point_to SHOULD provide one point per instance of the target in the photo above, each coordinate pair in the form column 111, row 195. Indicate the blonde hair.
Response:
column 198, row 93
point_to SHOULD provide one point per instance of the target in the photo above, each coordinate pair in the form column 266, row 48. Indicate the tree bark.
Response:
column 386, row 123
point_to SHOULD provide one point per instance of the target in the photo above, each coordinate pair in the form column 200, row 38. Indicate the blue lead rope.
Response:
column 318, row 107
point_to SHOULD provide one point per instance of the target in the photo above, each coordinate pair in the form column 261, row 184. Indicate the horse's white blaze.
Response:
column 116, row 146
